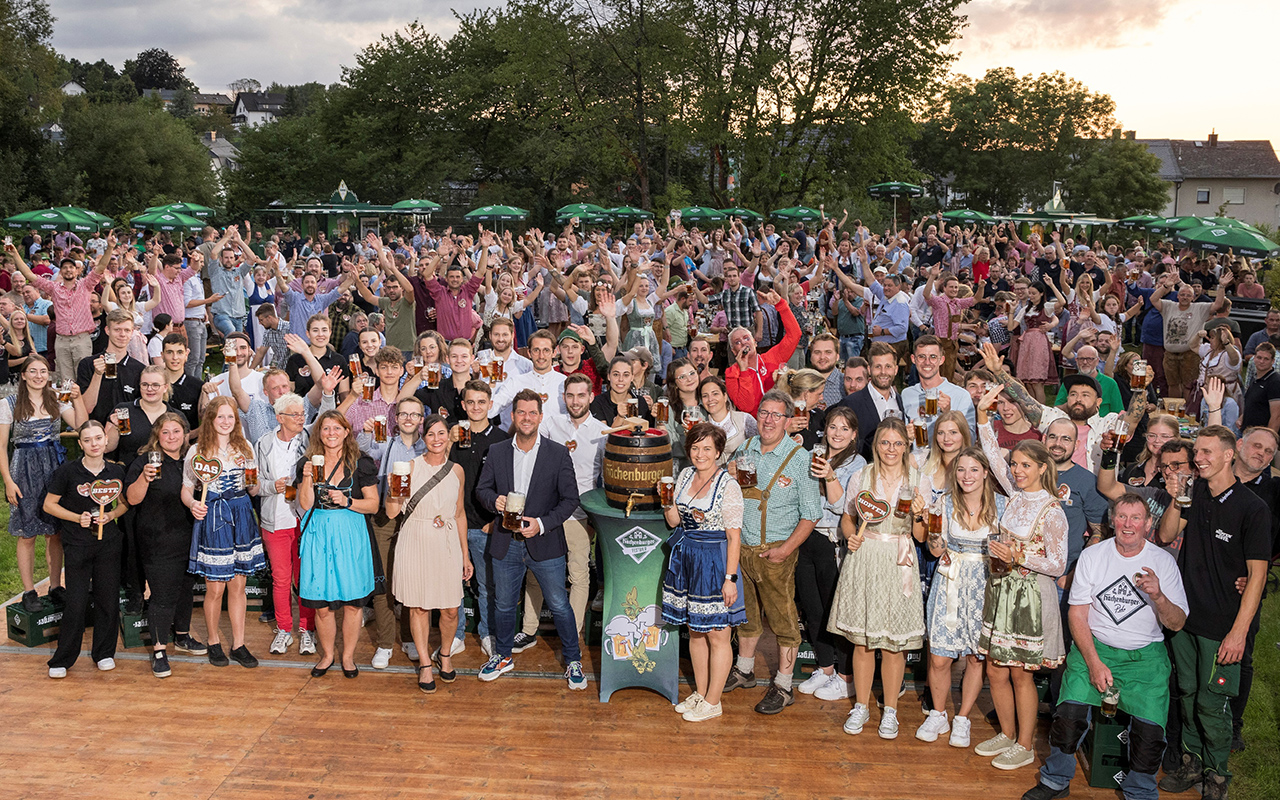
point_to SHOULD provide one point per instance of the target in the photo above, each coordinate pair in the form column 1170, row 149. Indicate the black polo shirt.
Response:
column 472, row 460
column 71, row 482
column 445, row 400
column 1222, row 533
column 1257, row 400
column 1267, row 488
column 301, row 375
column 112, row 392
column 605, row 410
column 184, row 397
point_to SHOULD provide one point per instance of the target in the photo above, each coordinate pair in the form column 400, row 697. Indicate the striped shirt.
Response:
column 71, row 306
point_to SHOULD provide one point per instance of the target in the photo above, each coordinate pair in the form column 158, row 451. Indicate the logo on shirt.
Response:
column 305, row 372
column 127, row 389
column 784, row 482
column 638, row 543
column 1222, row 536
column 1064, row 493
column 1121, row 600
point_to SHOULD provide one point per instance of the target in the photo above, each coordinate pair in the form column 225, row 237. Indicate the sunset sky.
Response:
column 1176, row 68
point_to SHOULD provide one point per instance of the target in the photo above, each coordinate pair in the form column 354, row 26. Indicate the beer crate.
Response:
column 806, row 660
column 33, row 628
column 1104, row 754
column 256, row 589
column 135, row 631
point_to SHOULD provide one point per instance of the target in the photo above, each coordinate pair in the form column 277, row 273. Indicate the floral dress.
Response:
column 37, row 452
column 1035, row 356
column 693, row 587
column 226, row 542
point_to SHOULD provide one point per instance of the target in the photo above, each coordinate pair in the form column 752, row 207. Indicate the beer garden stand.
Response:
column 637, row 648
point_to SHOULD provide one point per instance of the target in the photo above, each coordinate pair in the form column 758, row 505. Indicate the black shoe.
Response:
column 522, row 642
column 1215, row 787
column 428, row 687
column 1042, row 792
column 739, row 680
column 32, row 602
column 1188, row 774
column 1237, row 740
column 775, row 700
column 350, row 673
column 243, row 657
column 58, row 595
column 217, row 657
column 448, row 676
column 318, row 671
column 160, row 664
column 186, row 643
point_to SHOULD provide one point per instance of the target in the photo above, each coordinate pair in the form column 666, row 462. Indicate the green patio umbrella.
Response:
column 416, row 206
column 1172, row 224
column 797, row 214
column 629, row 214
column 496, row 214
column 1221, row 238
column 895, row 189
column 102, row 219
column 588, row 218
column 1138, row 221
column 967, row 215
column 166, row 221
column 580, row 210
column 695, row 215
column 53, row 219
column 190, row 209
column 743, row 213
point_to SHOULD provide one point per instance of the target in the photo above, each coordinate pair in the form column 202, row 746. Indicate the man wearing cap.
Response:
column 1087, row 361
column 751, row 374
column 579, row 354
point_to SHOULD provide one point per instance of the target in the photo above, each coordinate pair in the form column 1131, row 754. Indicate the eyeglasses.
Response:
column 152, row 385
column 1177, row 465
column 773, row 415
column 292, row 414
column 891, row 444
column 686, row 376
column 408, row 415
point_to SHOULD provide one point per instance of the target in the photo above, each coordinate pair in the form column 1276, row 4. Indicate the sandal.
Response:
column 448, row 676
column 428, row 687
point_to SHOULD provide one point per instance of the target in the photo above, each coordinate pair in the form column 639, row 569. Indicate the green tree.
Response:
column 156, row 69
column 183, row 105
column 1006, row 138
column 29, row 79
column 288, row 160
column 132, row 154
column 1115, row 178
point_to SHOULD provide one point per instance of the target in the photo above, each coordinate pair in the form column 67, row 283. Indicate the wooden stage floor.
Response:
column 276, row 732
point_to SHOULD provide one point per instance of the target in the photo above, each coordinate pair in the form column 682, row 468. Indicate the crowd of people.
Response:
column 865, row 458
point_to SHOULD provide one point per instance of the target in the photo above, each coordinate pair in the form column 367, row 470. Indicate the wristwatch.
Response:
column 732, row 577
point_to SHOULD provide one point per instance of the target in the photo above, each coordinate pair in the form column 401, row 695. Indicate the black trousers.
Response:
column 170, row 605
column 131, row 560
column 92, row 569
column 816, row 578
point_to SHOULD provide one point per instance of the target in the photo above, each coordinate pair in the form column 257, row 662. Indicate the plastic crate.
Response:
column 135, row 630
column 256, row 589
column 34, row 628
column 1104, row 754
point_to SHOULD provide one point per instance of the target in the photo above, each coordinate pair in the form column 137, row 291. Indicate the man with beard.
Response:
column 824, row 356
column 1088, row 361
column 502, row 334
column 1077, row 492
column 700, row 357
column 396, row 303
column 309, row 301
column 878, row 399
column 856, row 374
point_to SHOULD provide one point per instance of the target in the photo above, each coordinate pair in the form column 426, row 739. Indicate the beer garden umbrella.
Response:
column 54, row 219
column 895, row 189
column 629, row 214
column 190, row 209
column 416, row 206
column 694, row 215
column 966, row 215
column 1138, row 221
column 743, row 213
column 496, row 214
column 586, row 218
column 797, row 214
column 166, row 221
column 1221, row 238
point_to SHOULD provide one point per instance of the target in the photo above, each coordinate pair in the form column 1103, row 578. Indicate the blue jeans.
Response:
column 225, row 324
column 1059, row 768
column 477, row 541
column 508, row 580
column 851, row 346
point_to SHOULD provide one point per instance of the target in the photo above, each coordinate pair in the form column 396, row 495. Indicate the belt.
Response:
column 906, row 558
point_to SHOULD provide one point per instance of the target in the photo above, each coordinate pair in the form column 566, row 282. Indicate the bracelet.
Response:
column 1214, row 410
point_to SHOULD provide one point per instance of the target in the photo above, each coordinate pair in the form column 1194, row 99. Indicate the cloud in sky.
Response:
column 1146, row 54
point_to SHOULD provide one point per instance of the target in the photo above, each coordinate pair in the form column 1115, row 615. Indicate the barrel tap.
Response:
column 631, row 501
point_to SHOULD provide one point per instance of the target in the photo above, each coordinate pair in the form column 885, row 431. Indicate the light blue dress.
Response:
column 955, row 601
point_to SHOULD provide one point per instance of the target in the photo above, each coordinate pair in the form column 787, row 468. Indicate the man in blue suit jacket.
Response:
column 542, row 471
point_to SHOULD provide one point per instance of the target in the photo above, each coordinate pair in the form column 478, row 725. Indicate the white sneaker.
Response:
column 815, row 682
column 57, row 672
column 688, row 703
column 836, row 688
column 107, row 664
column 959, row 732
column 487, row 645
column 702, row 712
column 411, row 650
column 934, row 724
column 889, row 724
column 306, row 643
column 281, row 643
column 381, row 658
column 994, row 746
column 458, row 646
column 856, row 719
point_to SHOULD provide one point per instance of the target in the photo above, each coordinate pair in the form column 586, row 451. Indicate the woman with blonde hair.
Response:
column 1161, row 429
column 338, row 566
column 878, row 603
column 805, row 387
column 226, row 546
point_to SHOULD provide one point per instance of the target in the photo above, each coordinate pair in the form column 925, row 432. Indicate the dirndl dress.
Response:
column 339, row 566
column 878, row 603
column 37, row 453
column 956, row 599
column 693, row 586
column 227, row 542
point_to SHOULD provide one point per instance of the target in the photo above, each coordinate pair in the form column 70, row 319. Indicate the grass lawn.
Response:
column 9, row 581
column 1257, row 769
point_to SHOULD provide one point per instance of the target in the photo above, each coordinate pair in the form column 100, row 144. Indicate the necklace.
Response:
column 693, row 493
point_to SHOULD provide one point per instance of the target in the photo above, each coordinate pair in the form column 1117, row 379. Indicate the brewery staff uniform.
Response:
column 184, row 397
column 1223, row 535
column 112, row 392
column 1128, row 640
column 768, row 588
column 479, row 519
column 549, row 384
column 585, row 442
column 604, row 409
column 92, row 566
column 300, row 373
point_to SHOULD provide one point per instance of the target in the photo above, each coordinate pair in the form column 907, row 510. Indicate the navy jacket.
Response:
column 552, row 496
column 864, row 408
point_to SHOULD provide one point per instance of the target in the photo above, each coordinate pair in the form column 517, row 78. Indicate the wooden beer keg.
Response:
column 633, row 463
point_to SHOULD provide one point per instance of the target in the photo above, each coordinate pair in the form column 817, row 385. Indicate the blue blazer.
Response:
column 864, row 408
column 552, row 496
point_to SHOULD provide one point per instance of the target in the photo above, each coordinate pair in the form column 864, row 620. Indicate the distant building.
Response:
column 72, row 89
column 204, row 103
column 222, row 153
column 52, row 132
column 257, row 108
column 1242, row 177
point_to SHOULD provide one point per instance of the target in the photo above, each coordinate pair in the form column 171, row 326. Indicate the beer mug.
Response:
column 1184, row 497
column 380, row 428
column 667, row 491
column 123, row 421
column 290, row 491
column 433, row 376
column 935, row 520
column 662, row 411
column 110, row 371
column 1110, row 701
column 511, row 517
column 819, row 452
column 155, row 458
column 931, row 402
column 998, row 566
column 464, row 437
column 921, row 432
column 415, row 366
column 1122, row 433
column 1138, row 375
column 499, row 370
column 905, row 495
column 802, row 410
column 64, row 392
column 366, row 389
column 250, row 474
column 317, row 468
column 746, row 469
column 353, row 361
column 400, row 480
column 691, row 417
column 633, row 407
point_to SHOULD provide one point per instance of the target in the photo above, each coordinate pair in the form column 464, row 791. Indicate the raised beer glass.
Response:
column 512, row 516
column 905, row 495
column 667, row 491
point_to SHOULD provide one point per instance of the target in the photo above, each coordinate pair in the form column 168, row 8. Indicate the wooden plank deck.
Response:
column 276, row 732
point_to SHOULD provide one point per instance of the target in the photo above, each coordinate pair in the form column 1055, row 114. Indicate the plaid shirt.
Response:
column 793, row 498
column 273, row 339
column 71, row 306
column 740, row 307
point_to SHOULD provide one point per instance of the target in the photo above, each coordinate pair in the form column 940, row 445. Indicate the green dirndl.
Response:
column 1019, row 627
column 1142, row 676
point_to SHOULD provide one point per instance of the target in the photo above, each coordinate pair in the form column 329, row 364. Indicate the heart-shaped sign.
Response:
column 206, row 469
column 104, row 493
column 870, row 508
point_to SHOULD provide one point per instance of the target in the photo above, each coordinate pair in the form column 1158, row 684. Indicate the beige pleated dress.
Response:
column 427, row 571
